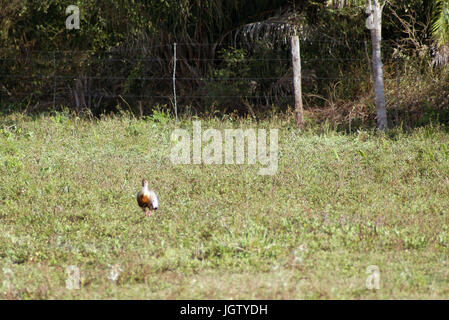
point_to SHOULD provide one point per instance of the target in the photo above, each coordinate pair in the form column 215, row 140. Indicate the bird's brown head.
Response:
column 144, row 183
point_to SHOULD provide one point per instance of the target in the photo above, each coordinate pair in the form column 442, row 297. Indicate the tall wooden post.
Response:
column 296, row 63
column 174, row 82
column 54, row 80
column 374, row 23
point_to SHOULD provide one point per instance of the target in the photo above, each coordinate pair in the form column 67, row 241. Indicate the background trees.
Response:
column 39, row 25
column 216, row 40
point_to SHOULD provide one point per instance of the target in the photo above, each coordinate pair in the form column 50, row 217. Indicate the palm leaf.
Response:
column 440, row 31
column 277, row 28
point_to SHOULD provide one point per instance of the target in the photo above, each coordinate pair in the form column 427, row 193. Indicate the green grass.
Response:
column 338, row 204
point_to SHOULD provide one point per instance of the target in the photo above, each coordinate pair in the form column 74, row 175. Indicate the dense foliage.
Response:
column 231, row 54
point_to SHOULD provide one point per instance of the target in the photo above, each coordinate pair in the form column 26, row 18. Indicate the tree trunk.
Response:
column 374, row 23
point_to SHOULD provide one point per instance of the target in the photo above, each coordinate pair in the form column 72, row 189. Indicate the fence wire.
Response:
column 227, row 78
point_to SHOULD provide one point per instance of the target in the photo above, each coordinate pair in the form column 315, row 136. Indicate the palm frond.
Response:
column 440, row 31
column 276, row 29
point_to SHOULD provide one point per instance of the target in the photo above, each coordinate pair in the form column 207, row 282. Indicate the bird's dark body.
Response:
column 147, row 199
column 144, row 201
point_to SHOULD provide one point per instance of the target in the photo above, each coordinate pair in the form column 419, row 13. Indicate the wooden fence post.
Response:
column 54, row 80
column 374, row 24
column 296, row 63
column 174, row 82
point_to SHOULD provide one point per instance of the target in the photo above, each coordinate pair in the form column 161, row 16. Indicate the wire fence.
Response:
column 179, row 76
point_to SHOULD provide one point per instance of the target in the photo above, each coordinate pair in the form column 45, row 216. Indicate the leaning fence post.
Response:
column 174, row 81
column 296, row 63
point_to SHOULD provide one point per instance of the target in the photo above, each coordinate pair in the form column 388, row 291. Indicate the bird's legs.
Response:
column 149, row 212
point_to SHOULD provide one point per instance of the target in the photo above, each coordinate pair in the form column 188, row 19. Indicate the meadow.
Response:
column 338, row 203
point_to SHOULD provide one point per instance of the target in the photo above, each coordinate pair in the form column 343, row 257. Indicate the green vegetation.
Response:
column 345, row 197
column 338, row 204
column 124, row 51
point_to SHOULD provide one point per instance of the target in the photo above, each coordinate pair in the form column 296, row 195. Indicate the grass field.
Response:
column 337, row 204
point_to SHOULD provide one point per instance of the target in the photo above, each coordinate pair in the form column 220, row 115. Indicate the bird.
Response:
column 147, row 198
